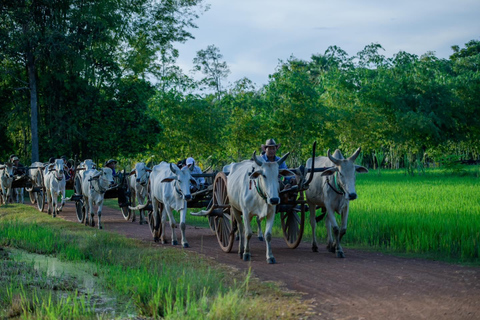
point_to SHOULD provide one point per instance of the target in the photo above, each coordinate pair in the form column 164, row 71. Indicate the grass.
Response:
column 157, row 282
column 435, row 215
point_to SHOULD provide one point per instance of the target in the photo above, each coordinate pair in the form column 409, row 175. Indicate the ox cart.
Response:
column 214, row 199
column 34, row 182
column 121, row 186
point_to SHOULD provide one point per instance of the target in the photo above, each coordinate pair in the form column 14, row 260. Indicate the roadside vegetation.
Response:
column 146, row 281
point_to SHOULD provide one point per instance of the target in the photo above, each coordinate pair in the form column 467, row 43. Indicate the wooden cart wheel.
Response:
column 151, row 223
column 80, row 209
column 40, row 195
column 32, row 196
column 211, row 222
column 293, row 224
column 224, row 221
column 126, row 212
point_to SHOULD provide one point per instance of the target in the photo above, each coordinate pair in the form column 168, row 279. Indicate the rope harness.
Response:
column 337, row 186
column 98, row 187
column 177, row 190
column 259, row 190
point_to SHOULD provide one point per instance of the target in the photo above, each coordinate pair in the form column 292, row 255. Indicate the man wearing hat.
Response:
column 19, row 169
column 122, row 198
column 270, row 147
column 190, row 164
column 112, row 164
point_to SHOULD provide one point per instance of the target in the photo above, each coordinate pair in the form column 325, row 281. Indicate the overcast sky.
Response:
column 253, row 35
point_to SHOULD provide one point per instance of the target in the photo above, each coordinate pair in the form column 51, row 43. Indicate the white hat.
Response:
column 190, row 161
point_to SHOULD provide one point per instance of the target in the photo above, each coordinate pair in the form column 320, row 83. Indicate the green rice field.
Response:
column 436, row 214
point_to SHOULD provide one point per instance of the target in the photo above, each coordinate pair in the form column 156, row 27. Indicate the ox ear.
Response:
column 329, row 171
column 286, row 173
column 169, row 179
column 361, row 169
column 148, row 169
column 50, row 166
column 132, row 172
column 256, row 174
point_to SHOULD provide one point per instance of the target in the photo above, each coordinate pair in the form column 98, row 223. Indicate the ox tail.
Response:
column 139, row 207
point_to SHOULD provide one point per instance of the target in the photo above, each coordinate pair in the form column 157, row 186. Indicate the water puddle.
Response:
column 83, row 274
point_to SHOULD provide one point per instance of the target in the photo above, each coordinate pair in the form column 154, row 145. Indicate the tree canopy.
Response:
column 102, row 76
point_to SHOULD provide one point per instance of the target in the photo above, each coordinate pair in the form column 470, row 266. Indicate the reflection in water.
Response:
column 83, row 273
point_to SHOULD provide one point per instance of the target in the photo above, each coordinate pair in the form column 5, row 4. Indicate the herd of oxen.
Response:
column 166, row 187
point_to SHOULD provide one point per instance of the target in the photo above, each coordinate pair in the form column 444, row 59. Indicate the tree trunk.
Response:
column 33, row 105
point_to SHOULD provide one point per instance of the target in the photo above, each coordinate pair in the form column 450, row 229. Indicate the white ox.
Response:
column 6, row 179
column 173, row 192
column 94, row 185
column 82, row 167
column 139, row 187
column 332, row 191
column 55, row 186
column 253, row 190
column 35, row 174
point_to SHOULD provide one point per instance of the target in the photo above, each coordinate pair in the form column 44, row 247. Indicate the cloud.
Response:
column 253, row 35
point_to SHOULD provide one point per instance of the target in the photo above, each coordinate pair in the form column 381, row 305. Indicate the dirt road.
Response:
column 364, row 285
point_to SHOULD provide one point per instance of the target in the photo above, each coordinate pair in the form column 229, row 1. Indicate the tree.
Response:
column 209, row 62
column 75, row 55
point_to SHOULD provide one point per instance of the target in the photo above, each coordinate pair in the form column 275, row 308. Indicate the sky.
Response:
column 253, row 35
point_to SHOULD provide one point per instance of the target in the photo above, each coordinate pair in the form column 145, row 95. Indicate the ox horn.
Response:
column 173, row 169
column 139, row 207
column 354, row 156
column 282, row 159
column 332, row 158
column 257, row 161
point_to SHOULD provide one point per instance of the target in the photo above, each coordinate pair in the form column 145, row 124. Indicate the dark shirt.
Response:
column 19, row 169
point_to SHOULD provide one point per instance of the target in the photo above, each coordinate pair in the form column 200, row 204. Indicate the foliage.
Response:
column 108, row 86
column 91, row 60
column 209, row 62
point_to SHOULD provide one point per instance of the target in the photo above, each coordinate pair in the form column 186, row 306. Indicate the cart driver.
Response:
column 190, row 164
column 19, row 168
column 269, row 154
column 112, row 164
column 122, row 198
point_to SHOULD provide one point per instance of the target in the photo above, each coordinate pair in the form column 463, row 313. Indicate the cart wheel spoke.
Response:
column 293, row 227
column 223, row 223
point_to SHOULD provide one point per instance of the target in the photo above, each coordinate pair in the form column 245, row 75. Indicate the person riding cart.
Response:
column 190, row 164
column 19, row 169
column 122, row 198
column 112, row 164
column 269, row 154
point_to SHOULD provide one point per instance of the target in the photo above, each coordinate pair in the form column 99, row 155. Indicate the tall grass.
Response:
column 159, row 282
